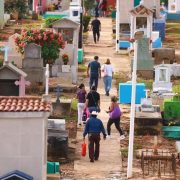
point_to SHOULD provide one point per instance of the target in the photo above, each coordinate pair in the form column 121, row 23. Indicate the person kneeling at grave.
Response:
column 93, row 128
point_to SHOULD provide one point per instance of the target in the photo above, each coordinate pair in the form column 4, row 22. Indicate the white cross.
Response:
column 5, row 49
column 47, row 79
column 22, row 83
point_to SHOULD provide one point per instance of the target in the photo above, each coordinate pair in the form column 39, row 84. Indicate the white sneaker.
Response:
column 122, row 137
column 108, row 136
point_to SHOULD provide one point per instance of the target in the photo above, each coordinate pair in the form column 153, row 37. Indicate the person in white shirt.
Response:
column 107, row 74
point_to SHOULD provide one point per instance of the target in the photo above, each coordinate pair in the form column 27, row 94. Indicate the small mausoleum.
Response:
column 16, row 175
column 9, row 75
column 70, row 33
column 23, row 136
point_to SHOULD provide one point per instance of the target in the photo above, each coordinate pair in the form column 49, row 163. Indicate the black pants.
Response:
column 94, row 144
column 94, row 35
column 117, row 125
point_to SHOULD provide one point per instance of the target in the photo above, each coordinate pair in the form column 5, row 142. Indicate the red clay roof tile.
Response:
column 20, row 104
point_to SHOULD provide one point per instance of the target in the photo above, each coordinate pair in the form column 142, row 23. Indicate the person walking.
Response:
column 114, row 117
column 94, row 72
column 107, row 73
column 96, row 28
column 93, row 100
column 93, row 128
column 81, row 96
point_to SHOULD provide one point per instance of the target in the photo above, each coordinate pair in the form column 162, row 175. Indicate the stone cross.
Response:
column 22, row 85
column 58, row 90
column 5, row 49
column 47, row 79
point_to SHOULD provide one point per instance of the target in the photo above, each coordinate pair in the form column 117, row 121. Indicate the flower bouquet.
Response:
column 65, row 59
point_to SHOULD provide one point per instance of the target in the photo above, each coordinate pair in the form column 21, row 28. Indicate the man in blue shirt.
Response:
column 94, row 71
column 93, row 128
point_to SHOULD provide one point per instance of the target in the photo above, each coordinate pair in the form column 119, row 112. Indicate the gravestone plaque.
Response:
column 32, row 51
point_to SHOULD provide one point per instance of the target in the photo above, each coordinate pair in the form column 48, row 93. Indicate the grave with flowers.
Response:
column 45, row 50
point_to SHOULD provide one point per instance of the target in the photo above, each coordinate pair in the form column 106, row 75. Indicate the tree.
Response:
column 89, row 4
column 18, row 6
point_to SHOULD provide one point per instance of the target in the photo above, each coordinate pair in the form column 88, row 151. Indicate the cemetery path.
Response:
column 109, row 165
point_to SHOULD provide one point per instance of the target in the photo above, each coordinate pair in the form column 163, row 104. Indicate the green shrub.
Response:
column 1, row 62
column 19, row 6
column 86, row 20
column 49, row 21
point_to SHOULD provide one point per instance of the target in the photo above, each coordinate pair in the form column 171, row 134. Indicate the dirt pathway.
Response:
column 109, row 164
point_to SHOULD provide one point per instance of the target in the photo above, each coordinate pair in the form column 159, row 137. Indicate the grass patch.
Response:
column 176, row 89
column 82, row 68
column 74, row 104
column 148, row 83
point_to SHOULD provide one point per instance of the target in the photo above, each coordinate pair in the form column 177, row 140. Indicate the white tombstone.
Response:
column 14, row 55
column 173, row 6
column 162, row 79
column 144, row 14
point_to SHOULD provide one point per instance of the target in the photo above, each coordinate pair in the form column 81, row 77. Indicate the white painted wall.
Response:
column 23, row 140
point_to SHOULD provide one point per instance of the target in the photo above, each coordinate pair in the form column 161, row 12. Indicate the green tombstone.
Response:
column 80, row 56
column 136, row 2
column 52, row 167
column 144, row 59
column 1, row 14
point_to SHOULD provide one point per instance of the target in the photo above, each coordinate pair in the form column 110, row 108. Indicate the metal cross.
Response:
column 58, row 89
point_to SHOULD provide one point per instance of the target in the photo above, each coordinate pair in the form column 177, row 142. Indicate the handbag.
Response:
column 83, row 149
column 97, row 106
column 84, row 116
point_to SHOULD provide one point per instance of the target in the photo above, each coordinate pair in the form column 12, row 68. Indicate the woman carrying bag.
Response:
column 114, row 117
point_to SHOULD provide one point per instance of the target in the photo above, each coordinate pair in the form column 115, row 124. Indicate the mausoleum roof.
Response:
column 14, row 69
column 23, row 104
column 141, row 10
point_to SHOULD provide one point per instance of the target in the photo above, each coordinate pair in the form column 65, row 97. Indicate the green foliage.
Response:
column 176, row 89
column 19, row 6
column 86, row 20
column 74, row 104
column 82, row 68
column 1, row 62
column 50, row 51
column 89, row 4
column 49, row 21
column 148, row 83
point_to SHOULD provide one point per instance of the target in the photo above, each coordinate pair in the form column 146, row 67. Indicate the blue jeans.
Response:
column 93, row 108
column 107, row 83
column 93, row 81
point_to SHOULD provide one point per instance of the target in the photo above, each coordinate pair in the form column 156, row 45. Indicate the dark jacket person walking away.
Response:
column 93, row 128
column 96, row 28
column 94, row 72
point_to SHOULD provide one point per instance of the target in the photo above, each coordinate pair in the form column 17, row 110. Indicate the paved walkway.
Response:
column 109, row 164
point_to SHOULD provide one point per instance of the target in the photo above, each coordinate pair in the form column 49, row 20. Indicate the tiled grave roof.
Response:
column 23, row 104
column 141, row 10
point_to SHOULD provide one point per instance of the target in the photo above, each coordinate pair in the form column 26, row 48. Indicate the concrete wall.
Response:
column 23, row 143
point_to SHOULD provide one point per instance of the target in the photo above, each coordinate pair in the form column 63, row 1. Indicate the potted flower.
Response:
column 65, row 59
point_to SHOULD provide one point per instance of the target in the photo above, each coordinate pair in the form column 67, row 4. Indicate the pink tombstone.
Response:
column 22, row 85
column 43, row 5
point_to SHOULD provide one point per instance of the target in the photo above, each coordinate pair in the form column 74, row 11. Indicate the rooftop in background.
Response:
column 23, row 104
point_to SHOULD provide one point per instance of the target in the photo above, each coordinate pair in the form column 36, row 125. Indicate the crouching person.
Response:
column 93, row 128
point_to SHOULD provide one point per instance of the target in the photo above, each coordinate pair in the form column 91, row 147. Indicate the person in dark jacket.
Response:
column 93, row 128
column 96, row 28
column 94, row 72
